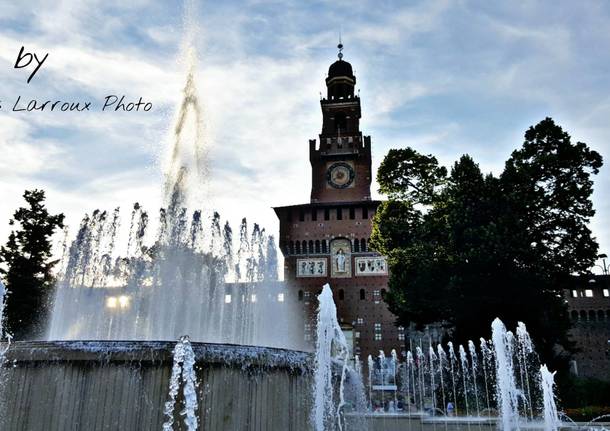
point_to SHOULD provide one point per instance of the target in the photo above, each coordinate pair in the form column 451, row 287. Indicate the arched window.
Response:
column 300, row 295
column 356, row 245
column 574, row 315
column 600, row 314
column 317, row 246
column 341, row 294
column 583, row 315
column 363, row 245
column 291, row 247
column 362, row 295
column 607, row 314
column 298, row 248
column 310, row 247
column 324, row 248
column 304, row 247
column 591, row 315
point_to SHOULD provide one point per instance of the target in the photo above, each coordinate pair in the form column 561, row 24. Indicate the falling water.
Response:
column 465, row 374
column 370, row 365
column 524, row 348
column 442, row 359
column 453, row 363
column 394, row 372
column 182, row 370
column 547, row 382
column 486, row 354
column 505, row 385
column 474, row 364
column 432, row 357
column 421, row 359
column 331, row 346
column 4, row 335
column 411, row 367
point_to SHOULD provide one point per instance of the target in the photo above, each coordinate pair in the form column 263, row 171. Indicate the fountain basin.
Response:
column 123, row 385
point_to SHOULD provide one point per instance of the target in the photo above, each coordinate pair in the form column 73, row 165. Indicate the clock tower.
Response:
column 326, row 240
column 341, row 163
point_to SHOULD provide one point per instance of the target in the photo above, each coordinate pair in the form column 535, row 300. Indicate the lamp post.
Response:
column 605, row 268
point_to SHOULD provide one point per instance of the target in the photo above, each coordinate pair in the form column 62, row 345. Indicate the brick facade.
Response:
column 589, row 307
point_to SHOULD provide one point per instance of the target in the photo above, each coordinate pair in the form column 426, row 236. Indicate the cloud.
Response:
column 445, row 77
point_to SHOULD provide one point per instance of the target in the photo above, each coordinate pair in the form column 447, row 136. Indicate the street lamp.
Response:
column 605, row 268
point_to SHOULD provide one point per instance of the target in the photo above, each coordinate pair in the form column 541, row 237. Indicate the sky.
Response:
column 444, row 77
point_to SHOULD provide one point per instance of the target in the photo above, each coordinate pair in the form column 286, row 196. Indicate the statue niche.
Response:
column 340, row 255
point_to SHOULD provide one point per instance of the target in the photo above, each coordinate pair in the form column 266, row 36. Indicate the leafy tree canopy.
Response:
column 465, row 247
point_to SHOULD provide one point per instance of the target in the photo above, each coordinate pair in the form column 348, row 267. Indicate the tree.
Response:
column 465, row 247
column 27, row 266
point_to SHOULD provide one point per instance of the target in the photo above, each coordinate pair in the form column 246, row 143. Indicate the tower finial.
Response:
column 340, row 46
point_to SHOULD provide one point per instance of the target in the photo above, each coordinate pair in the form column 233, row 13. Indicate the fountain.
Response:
column 111, row 360
column 497, row 385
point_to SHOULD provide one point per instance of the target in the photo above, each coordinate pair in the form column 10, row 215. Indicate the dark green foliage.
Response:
column 465, row 247
column 26, row 266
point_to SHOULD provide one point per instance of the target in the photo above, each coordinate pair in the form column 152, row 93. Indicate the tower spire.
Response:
column 340, row 46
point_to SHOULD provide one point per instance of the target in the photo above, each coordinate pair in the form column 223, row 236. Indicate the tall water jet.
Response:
column 547, row 383
column 370, row 365
column 185, row 165
column 524, row 348
column 182, row 370
column 331, row 347
column 506, row 390
column 452, row 367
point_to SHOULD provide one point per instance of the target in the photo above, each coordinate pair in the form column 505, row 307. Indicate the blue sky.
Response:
column 445, row 77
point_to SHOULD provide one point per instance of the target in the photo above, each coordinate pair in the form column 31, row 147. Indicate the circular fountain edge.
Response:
column 232, row 355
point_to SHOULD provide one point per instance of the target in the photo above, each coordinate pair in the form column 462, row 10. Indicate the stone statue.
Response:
column 340, row 260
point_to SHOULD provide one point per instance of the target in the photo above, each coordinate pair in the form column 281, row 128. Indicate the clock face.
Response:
column 340, row 175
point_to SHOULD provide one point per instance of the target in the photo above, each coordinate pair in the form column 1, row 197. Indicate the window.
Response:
column 301, row 215
column 365, row 213
column 378, row 336
column 574, row 315
column 376, row 296
column 360, row 321
column 289, row 215
column 306, row 295
column 588, row 293
column 341, row 294
column 352, row 213
column 363, row 245
column 574, row 294
column 323, row 246
column 362, row 295
column 291, row 251
column 298, row 248
column 401, row 329
column 606, row 293
column 356, row 245
column 304, row 247
column 377, row 326
column 401, row 336
column 300, row 295
column 357, row 334
column 326, row 214
column 317, row 246
column 591, row 315
column 227, row 299
column 314, row 214
column 310, row 247
column 280, row 297
column 339, row 213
